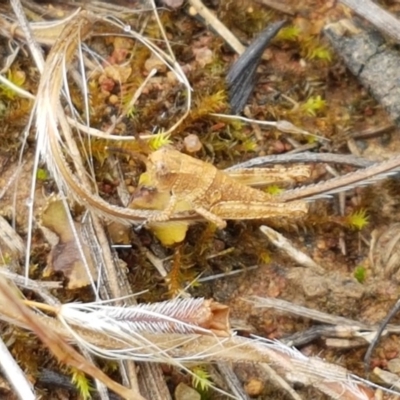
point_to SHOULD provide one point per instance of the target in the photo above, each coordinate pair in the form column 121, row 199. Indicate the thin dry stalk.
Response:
column 280, row 382
column 25, row 27
column 217, row 25
column 282, row 125
column 362, row 177
column 282, row 243
column 278, row 5
column 306, row 157
column 382, row 19
column 295, row 309
column 18, row 380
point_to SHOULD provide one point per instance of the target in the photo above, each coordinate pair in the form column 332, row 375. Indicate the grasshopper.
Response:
column 211, row 193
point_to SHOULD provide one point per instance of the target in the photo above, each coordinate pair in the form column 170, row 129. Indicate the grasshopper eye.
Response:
column 162, row 169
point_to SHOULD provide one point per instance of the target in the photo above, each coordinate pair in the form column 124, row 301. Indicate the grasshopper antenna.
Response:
column 134, row 154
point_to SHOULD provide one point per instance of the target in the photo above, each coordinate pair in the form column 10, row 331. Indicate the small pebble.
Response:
column 113, row 99
column 254, row 387
column 192, row 143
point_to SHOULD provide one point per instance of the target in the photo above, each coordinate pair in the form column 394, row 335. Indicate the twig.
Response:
column 280, row 382
column 366, row 176
column 282, row 243
column 282, row 125
column 277, row 5
column 226, row 274
column 157, row 263
column 328, row 332
column 395, row 309
column 366, row 55
column 372, row 132
column 286, row 306
column 232, row 381
column 152, row 382
column 24, row 25
column 304, row 158
column 382, row 19
column 15, row 88
column 15, row 375
column 217, row 25
column 39, row 287
column 11, row 239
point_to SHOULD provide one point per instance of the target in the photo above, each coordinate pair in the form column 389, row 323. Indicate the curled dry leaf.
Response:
column 65, row 255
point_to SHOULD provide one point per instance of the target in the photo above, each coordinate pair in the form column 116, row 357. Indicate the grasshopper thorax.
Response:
column 163, row 167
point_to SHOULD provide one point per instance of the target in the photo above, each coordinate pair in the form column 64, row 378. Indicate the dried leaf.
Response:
column 65, row 255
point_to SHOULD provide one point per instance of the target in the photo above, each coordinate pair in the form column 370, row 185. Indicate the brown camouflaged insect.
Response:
column 212, row 193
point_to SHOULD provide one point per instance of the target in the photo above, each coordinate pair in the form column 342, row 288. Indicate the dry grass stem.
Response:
column 305, row 157
column 18, row 380
column 278, row 380
column 282, row 125
column 217, row 25
column 375, row 14
column 362, row 177
column 295, row 309
column 282, row 243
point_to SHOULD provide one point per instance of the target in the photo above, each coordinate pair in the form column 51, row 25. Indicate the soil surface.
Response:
column 354, row 237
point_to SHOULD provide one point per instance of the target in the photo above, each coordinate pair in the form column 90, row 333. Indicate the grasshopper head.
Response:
column 163, row 167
